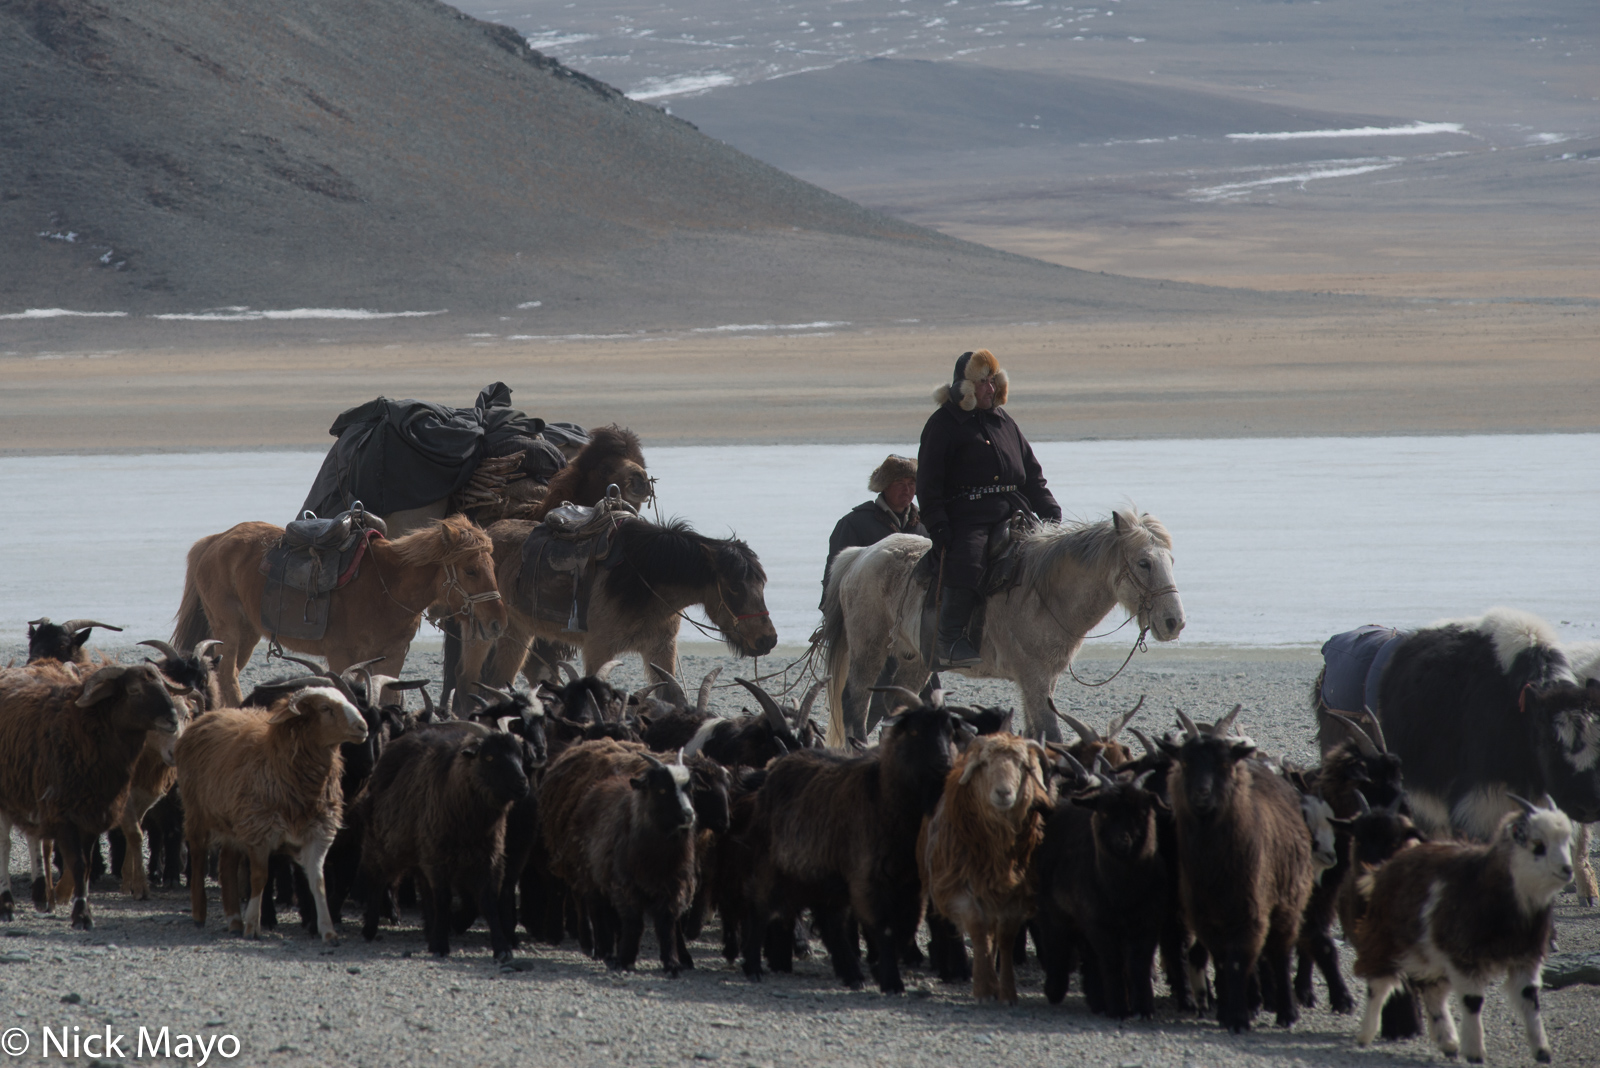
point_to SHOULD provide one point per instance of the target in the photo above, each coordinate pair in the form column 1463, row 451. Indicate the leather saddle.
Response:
column 562, row 555
column 314, row 557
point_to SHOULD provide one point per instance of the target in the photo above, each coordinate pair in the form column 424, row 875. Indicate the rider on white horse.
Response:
column 975, row 470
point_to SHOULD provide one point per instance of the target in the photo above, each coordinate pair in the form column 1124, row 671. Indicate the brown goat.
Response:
column 976, row 852
column 69, row 738
column 255, row 781
column 1244, row 863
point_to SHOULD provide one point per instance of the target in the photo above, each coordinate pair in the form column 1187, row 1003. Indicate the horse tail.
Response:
column 192, row 626
column 836, row 646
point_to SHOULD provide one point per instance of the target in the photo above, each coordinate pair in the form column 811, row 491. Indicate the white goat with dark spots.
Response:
column 1448, row 915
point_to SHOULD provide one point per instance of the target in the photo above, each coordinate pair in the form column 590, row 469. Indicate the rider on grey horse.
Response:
column 975, row 470
column 892, row 511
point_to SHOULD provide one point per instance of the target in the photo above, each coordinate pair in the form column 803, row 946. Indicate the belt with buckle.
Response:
column 973, row 493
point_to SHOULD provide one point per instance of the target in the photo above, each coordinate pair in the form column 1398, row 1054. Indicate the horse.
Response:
column 1070, row 575
column 445, row 568
column 634, row 606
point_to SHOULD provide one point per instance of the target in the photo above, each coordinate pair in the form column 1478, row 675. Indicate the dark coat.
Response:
column 867, row 524
column 961, row 450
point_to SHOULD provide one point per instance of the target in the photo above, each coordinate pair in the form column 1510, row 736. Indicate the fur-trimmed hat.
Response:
column 971, row 368
column 892, row 470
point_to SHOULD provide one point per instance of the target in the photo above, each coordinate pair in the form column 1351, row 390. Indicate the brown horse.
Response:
column 445, row 569
column 636, row 605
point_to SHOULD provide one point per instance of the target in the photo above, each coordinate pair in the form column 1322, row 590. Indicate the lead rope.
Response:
column 1147, row 599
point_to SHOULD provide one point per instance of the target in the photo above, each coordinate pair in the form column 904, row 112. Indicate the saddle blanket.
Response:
column 558, row 571
column 301, row 580
column 1353, row 663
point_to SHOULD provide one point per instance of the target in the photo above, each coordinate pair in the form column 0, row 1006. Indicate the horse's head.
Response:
column 467, row 589
column 1144, row 584
column 739, row 608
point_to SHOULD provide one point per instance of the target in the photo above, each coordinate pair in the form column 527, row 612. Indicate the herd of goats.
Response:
column 582, row 809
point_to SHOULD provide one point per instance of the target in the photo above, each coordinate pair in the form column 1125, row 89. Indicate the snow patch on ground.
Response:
column 245, row 315
column 1410, row 130
column 682, row 85
column 58, row 313
column 1232, row 190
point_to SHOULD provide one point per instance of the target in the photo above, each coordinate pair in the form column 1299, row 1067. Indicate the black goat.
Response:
column 838, row 834
column 61, row 641
column 752, row 741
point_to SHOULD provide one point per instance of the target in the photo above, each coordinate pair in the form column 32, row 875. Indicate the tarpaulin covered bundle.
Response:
column 1353, row 664
column 393, row 455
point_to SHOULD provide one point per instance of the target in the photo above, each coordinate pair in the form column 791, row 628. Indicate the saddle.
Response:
column 1001, row 572
column 562, row 556
column 314, row 557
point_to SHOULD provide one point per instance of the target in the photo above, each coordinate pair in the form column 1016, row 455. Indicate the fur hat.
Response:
column 971, row 368
column 892, row 470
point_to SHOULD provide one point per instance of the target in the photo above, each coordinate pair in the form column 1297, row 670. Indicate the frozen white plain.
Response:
column 1278, row 541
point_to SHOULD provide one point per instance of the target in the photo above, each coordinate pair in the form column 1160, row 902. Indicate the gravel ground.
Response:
column 291, row 1001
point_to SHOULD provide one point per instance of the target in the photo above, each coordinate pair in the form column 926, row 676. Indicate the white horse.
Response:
column 1071, row 575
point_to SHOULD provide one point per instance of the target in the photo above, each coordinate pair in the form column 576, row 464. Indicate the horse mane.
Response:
column 444, row 541
column 608, row 446
column 1093, row 545
column 673, row 553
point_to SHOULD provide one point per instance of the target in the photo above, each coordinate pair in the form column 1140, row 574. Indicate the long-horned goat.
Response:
column 436, row 808
column 1449, row 915
column 976, row 852
column 1091, row 743
column 256, row 781
column 61, row 641
column 68, row 744
column 753, row 740
column 837, row 834
column 1244, row 864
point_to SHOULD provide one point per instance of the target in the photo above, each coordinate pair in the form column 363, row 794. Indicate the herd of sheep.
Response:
column 580, row 809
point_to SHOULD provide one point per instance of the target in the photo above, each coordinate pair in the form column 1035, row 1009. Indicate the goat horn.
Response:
column 568, row 670
column 503, row 724
column 84, row 624
column 705, row 689
column 205, row 646
column 1114, row 728
column 1073, row 764
column 1363, row 740
column 317, row 669
column 427, row 700
column 1377, row 728
column 1528, row 807
column 591, row 707
column 915, row 699
column 1225, row 724
column 782, row 749
column 1139, row 780
column 809, row 699
column 42, row 621
column 858, row 744
column 651, row 757
column 670, row 677
column 1189, row 729
column 1144, row 740
column 1086, row 732
column 410, row 684
column 159, row 646
column 1361, row 804
column 694, row 745
column 478, row 702
column 504, row 695
column 603, row 672
column 774, row 714
column 645, row 691
column 1102, row 766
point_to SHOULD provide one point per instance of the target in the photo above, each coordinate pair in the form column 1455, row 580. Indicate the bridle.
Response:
column 452, row 581
column 1147, row 602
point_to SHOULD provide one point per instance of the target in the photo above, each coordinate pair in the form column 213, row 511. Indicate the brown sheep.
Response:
column 68, row 741
column 976, row 852
column 255, row 781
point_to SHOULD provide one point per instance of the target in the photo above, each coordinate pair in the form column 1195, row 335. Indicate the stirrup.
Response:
column 960, row 655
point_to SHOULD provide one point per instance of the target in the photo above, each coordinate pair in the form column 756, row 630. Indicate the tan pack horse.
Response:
column 446, row 569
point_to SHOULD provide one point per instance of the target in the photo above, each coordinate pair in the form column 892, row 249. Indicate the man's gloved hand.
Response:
column 940, row 536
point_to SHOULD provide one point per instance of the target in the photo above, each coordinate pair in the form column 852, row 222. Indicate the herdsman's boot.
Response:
column 955, row 609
